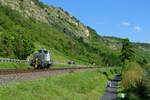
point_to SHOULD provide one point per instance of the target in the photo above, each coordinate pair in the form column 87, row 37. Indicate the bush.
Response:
column 147, row 88
column 131, row 75
column 131, row 66
column 148, row 68
column 147, row 80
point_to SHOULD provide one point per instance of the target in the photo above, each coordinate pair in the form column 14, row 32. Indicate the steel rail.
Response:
column 20, row 71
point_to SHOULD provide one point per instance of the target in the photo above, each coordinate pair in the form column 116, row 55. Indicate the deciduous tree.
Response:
column 127, row 52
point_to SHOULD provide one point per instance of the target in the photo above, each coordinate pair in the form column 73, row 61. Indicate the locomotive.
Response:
column 41, row 59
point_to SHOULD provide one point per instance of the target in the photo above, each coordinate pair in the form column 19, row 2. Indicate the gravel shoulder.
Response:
column 111, row 92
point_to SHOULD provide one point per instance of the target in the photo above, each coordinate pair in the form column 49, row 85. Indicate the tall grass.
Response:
column 133, row 81
column 131, row 75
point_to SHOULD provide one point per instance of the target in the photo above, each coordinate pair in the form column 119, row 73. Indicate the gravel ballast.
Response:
column 5, row 79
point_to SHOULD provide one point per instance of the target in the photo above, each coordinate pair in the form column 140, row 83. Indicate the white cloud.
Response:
column 125, row 24
column 146, row 42
column 137, row 29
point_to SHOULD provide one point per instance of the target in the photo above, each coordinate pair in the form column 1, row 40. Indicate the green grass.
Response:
column 57, row 56
column 85, row 85
column 6, row 65
column 59, row 66
column 74, row 66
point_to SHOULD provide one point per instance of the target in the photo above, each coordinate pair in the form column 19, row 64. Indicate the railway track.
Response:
column 21, row 71
column 11, row 75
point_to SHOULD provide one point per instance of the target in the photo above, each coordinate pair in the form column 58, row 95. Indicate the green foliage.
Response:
column 15, row 45
column 147, row 68
column 134, row 81
column 131, row 66
column 107, row 55
column 142, row 50
column 127, row 52
column 24, row 46
column 6, row 42
column 50, row 36
column 94, row 49
column 147, row 88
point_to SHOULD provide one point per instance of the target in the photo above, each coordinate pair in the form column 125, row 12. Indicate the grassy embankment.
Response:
column 5, row 65
column 85, row 85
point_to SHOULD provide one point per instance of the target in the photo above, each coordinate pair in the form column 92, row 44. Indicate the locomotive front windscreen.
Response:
column 46, row 52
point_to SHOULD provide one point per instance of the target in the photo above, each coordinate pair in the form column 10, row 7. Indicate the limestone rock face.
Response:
column 50, row 15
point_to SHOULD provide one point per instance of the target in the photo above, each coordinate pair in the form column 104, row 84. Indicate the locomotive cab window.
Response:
column 40, row 51
column 45, row 51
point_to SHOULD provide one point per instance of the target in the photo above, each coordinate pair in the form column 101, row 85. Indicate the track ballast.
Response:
column 21, row 71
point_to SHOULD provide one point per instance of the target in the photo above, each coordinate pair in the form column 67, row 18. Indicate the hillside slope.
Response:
column 142, row 50
column 82, row 44
column 54, row 29
column 50, row 15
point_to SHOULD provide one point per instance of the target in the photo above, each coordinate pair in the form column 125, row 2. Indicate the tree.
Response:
column 28, row 48
column 23, row 46
column 6, row 44
column 16, row 46
column 127, row 52
column 1, row 50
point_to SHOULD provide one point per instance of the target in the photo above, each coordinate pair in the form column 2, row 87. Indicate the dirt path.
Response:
column 111, row 92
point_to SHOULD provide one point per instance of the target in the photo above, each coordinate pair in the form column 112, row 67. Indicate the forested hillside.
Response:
column 142, row 50
column 29, row 25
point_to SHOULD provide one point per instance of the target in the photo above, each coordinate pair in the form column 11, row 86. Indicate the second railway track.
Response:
column 21, row 71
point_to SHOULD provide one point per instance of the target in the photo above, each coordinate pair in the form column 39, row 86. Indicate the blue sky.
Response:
column 120, row 18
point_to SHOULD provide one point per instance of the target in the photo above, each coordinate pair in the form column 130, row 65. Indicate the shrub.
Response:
column 131, row 66
column 147, row 80
column 147, row 86
column 131, row 75
column 148, row 68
